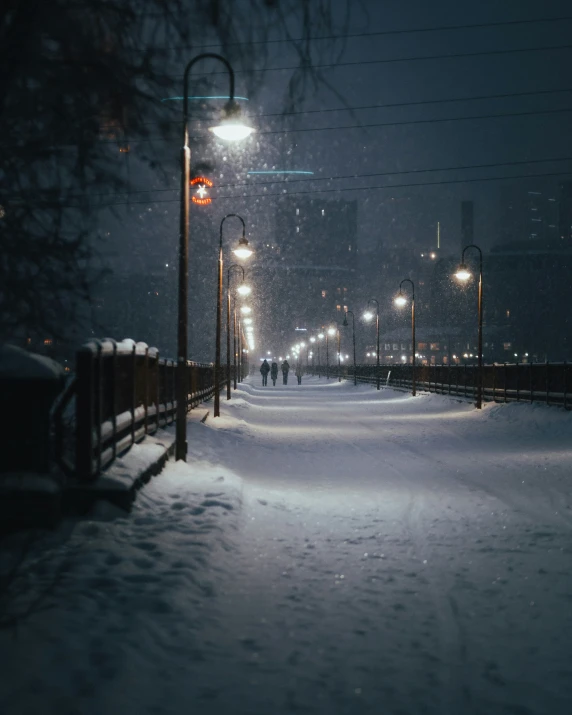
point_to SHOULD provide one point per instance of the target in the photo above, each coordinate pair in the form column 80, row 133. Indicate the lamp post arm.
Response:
column 222, row 223
column 203, row 56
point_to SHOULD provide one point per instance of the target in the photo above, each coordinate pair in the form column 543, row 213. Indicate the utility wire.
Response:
column 329, row 191
column 539, row 112
column 381, row 33
column 464, row 167
column 391, row 105
column 419, row 58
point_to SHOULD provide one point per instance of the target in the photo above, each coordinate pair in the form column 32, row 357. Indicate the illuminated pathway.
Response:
column 327, row 550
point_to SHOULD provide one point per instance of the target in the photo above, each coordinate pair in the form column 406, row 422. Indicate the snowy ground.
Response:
column 327, row 550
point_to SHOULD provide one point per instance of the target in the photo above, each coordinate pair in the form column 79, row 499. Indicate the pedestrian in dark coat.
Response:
column 285, row 367
column 299, row 372
column 264, row 370
column 274, row 372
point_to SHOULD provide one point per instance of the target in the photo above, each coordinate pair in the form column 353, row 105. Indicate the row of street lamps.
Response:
column 231, row 128
column 462, row 274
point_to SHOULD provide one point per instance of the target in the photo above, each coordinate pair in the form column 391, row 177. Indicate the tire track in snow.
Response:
column 454, row 691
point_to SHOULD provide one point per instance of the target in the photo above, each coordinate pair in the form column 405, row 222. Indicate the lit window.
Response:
column 422, row 346
column 433, row 346
column 345, row 308
column 508, row 313
column 338, row 291
column 345, row 290
column 349, row 247
column 297, row 212
column 47, row 341
column 323, row 212
column 297, row 229
column 507, row 346
column 338, row 307
column 324, row 293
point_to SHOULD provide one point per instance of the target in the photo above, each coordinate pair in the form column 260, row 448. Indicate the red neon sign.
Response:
column 201, row 195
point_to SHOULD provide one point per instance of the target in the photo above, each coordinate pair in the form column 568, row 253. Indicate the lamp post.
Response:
column 313, row 340
column 320, row 337
column 339, row 356
column 345, row 324
column 400, row 301
column 242, row 251
column 330, row 332
column 368, row 315
column 463, row 274
column 232, row 129
column 242, row 290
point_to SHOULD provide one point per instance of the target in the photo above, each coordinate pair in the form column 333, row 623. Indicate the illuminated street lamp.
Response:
column 242, row 289
column 246, row 310
column 400, row 300
column 231, row 119
column 240, row 252
column 330, row 332
column 345, row 324
column 368, row 315
column 464, row 274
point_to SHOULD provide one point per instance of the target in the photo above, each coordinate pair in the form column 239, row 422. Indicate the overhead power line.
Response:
column 329, row 191
column 418, row 58
column 345, row 177
column 379, row 33
column 440, row 120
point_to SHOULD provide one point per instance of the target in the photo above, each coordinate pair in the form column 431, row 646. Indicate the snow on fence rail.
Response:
column 502, row 382
column 123, row 391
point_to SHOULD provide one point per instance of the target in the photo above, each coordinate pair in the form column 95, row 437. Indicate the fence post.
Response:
column 505, row 381
column 530, row 381
column 84, row 414
column 146, row 371
column 133, row 390
column 98, row 403
column 114, row 398
column 517, row 383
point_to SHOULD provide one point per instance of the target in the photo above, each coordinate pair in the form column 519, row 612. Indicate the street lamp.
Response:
column 400, row 301
column 368, row 315
column 339, row 355
column 242, row 289
column 463, row 274
column 329, row 332
column 231, row 118
column 345, row 324
column 242, row 251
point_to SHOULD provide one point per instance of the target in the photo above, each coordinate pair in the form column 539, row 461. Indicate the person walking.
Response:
column 274, row 372
column 285, row 367
column 299, row 372
column 264, row 370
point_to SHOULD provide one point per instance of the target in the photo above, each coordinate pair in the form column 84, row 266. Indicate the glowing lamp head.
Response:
column 243, row 289
column 232, row 126
column 320, row 336
column 243, row 250
column 312, row 340
column 247, row 321
column 368, row 315
column 245, row 310
column 463, row 273
column 331, row 331
column 400, row 301
column 302, row 345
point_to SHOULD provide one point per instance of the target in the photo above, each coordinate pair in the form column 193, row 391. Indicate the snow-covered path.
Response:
column 328, row 549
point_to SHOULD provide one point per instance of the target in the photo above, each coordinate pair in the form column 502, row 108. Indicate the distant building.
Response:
column 530, row 215
column 565, row 212
column 309, row 265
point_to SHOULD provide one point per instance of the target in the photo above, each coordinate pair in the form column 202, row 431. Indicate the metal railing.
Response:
column 123, row 392
column 546, row 382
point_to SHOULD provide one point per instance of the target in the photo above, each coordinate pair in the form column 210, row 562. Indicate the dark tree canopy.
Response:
column 78, row 80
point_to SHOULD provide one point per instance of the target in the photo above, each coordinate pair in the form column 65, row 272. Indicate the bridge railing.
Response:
column 123, row 391
column 547, row 382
